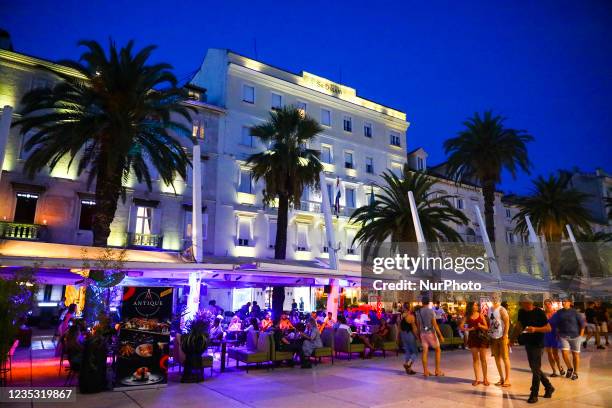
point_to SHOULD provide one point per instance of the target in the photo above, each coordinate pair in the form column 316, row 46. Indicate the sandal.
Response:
column 486, row 383
column 506, row 385
column 554, row 375
column 475, row 383
column 500, row 383
column 562, row 372
column 440, row 374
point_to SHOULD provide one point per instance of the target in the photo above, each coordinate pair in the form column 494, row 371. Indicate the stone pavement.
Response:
column 375, row 382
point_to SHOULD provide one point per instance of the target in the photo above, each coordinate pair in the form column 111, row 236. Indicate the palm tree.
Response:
column 552, row 205
column 286, row 167
column 480, row 153
column 115, row 121
column 389, row 215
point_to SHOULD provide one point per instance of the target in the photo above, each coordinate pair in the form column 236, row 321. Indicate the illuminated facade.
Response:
column 466, row 196
column 57, row 206
column 361, row 139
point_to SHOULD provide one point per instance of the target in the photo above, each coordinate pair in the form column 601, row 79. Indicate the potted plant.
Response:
column 194, row 343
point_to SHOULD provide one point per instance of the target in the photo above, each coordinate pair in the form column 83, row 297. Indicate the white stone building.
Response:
column 361, row 139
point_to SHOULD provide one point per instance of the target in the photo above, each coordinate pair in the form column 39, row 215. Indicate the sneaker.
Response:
column 532, row 399
column 549, row 392
column 574, row 376
column 570, row 371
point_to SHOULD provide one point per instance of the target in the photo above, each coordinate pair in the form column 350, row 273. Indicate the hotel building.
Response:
column 50, row 215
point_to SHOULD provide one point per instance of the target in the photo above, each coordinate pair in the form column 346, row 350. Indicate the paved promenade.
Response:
column 374, row 382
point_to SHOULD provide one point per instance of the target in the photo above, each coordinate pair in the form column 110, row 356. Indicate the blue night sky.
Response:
column 545, row 65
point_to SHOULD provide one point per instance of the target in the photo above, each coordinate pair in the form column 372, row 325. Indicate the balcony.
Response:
column 310, row 206
column 28, row 232
column 145, row 240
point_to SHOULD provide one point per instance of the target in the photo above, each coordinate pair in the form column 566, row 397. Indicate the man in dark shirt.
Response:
column 533, row 324
column 602, row 320
column 592, row 325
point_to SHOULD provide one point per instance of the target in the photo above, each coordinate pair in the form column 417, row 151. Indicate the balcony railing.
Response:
column 16, row 230
column 145, row 240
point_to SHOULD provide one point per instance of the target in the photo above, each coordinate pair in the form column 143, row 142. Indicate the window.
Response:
column 301, row 106
column 246, row 138
column 367, row 129
column 420, row 164
column 350, row 237
column 246, row 182
column 248, row 94
column 326, row 154
column 244, row 232
column 302, row 237
column 86, row 216
column 396, row 168
column 369, row 165
column 197, row 129
column 394, row 139
column 25, row 208
column 326, row 117
column 144, row 220
column 277, row 101
column 350, row 197
column 272, row 234
column 370, row 197
column 347, row 124
column 348, row 160
column 189, row 222
column 459, row 203
column 508, row 213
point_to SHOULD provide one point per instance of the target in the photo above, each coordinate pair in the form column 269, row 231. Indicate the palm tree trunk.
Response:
column 280, row 252
column 488, row 192
column 280, row 248
column 107, row 196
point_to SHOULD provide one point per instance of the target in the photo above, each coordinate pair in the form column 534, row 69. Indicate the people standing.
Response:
column 533, row 324
column 408, row 332
column 427, row 330
column 551, row 341
column 603, row 318
column 478, row 341
column 592, row 325
column 499, row 326
column 570, row 328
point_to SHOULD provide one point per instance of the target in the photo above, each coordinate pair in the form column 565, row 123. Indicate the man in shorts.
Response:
column 499, row 324
column 427, row 329
column 570, row 328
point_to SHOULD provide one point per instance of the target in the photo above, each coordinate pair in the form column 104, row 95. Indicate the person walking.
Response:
column 603, row 318
column 570, row 328
column 551, row 341
column 408, row 332
column 427, row 330
column 499, row 326
column 532, row 324
column 478, row 341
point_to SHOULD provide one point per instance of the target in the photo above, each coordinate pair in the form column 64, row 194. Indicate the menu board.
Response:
column 144, row 337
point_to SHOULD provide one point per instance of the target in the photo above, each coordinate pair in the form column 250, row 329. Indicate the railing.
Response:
column 145, row 240
column 16, row 230
column 315, row 206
